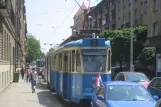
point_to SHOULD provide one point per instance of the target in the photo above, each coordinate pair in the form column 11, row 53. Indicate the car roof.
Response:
column 120, row 83
column 131, row 72
column 156, row 78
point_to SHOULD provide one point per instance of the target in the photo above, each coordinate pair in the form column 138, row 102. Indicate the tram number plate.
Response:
column 88, row 89
column 94, row 42
column 94, row 78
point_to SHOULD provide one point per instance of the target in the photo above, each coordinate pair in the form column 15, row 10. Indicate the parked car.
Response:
column 133, row 77
column 155, row 86
column 116, row 69
column 122, row 94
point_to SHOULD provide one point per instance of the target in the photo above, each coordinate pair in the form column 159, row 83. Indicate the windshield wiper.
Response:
column 138, row 81
column 134, row 100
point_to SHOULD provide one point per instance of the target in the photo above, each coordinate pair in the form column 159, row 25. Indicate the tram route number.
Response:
column 94, row 42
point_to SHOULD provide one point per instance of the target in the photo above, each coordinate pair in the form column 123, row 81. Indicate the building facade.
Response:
column 10, row 53
column 116, row 14
column 103, row 16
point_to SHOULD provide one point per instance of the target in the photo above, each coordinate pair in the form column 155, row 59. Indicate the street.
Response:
column 19, row 94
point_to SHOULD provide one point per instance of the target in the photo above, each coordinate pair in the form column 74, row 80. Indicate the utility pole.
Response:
column 131, row 42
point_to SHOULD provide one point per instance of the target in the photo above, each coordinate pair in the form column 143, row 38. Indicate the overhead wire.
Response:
column 66, row 17
column 48, row 12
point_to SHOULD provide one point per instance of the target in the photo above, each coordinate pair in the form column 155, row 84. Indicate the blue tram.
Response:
column 72, row 69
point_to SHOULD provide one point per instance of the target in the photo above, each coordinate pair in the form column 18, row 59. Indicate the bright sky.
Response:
column 47, row 19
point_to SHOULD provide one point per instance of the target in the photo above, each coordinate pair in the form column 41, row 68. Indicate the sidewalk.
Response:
column 19, row 95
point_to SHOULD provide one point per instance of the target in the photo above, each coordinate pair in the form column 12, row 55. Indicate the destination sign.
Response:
column 94, row 52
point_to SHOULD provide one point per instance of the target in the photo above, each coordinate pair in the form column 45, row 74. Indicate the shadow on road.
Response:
column 51, row 99
column 41, row 86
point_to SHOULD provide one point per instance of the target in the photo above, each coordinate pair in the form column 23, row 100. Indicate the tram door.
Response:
column 65, row 78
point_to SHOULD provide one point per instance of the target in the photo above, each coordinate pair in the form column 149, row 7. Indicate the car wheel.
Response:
column 158, row 103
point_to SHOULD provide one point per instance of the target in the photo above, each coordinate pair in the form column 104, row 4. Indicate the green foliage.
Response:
column 147, row 56
column 51, row 49
column 120, row 41
column 33, row 47
column 42, row 54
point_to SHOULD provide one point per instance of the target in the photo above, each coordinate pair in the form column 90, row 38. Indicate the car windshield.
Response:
column 94, row 60
column 136, row 77
column 128, row 93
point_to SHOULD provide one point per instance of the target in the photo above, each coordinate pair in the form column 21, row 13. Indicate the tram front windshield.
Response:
column 94, row 60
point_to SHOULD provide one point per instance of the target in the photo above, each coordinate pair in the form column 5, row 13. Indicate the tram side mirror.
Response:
column 156, row 97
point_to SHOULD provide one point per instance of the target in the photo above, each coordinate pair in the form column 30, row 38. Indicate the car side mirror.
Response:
column 156, row 97
column 100, row 97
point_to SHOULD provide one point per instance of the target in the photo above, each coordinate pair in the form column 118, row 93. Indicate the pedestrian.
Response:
column 22, row 73
column 34, row 75
column 29, row 75
column 25, row 77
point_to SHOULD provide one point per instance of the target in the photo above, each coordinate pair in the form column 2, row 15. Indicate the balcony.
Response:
column 5, row 8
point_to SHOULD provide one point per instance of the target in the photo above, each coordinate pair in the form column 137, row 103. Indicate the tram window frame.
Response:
column 109, row 60
column 70, row 62
column 78, row 61
column 73, row 61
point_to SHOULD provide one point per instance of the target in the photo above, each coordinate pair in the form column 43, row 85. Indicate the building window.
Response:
column 129, row 16
column 136, row 14
column 142, row 8
column 156, row 5
column 155, row 29
column 118, row 5
column 123, row 3
column 145, row 7
column 129, row 2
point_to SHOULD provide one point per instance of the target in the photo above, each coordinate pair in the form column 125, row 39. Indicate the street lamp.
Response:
column 90, row 18
column 131, row 42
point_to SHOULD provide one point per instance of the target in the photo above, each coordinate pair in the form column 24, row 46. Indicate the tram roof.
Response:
column 87, row 42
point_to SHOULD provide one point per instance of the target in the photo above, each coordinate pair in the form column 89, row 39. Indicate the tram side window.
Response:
column 60, row 62
column 50, row 62
column 109, row 60
column 70, row 62
column 78, row 64
column 73, row 60
column 66, row 62
column 54, row 62
column 53, row 59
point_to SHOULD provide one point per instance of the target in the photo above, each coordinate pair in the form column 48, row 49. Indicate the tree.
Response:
column 120, row 42
column 42, row 54
column 147, row 56
column 33, row 47
column 51, row 49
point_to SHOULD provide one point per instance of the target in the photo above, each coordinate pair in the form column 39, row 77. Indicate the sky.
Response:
column 50, row 20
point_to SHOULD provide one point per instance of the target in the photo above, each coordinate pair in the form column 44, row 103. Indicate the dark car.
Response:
column 155, row 86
